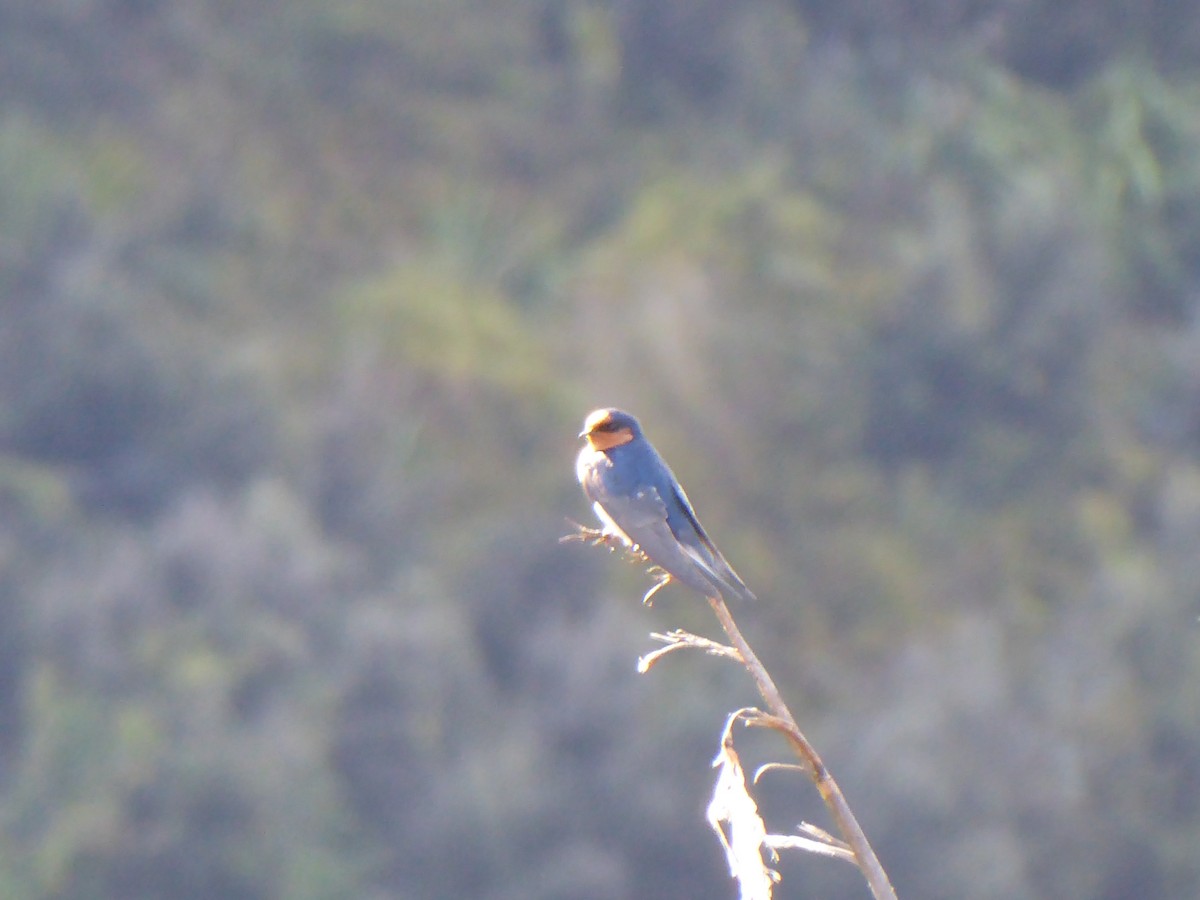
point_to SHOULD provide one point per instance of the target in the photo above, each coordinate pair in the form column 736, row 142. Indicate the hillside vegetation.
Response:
column 303, row 304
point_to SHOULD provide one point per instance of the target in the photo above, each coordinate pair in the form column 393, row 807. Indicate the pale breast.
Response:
column 585, row 467
column 589, row 469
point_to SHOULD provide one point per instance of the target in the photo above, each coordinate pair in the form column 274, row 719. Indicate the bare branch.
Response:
column 683, row 640
column 784, row 722
column 595, row 536
column 773, row 767
column 731, row 802
column 836, row 850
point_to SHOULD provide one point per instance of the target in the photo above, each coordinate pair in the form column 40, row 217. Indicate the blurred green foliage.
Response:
column 303, row 304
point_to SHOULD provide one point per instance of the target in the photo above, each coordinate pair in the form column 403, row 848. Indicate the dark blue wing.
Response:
column 696, row 542
column 642, row 516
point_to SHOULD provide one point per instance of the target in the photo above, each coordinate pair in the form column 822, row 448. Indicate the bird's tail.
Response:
column 721, row 573
column 737, row 588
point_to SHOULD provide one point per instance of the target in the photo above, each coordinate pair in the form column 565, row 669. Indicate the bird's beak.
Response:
column 583, row 433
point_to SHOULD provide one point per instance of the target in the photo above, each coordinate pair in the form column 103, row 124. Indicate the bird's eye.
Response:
column 607, row 426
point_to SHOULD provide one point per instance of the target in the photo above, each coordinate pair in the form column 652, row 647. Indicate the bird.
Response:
column 641, row 504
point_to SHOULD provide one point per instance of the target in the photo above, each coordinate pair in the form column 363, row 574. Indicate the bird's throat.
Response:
column 606, row 440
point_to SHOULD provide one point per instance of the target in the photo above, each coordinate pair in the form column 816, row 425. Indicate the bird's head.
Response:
column 608, row 428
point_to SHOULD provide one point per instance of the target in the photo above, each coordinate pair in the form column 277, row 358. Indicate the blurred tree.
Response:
column 301, row 306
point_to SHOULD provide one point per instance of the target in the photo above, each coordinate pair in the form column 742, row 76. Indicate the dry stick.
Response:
column 852, row 833
column 835, row 801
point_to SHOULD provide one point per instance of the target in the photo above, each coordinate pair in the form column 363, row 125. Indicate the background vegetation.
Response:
column 303, row 303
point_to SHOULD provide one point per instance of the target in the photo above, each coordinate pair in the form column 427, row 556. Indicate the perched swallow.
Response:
column 638, row 499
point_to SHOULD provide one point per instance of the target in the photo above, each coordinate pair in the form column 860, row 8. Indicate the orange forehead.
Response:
column 596, row 419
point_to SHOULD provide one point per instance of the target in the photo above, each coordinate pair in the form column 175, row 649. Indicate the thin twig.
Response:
column 678, row 639
column 785, row 723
